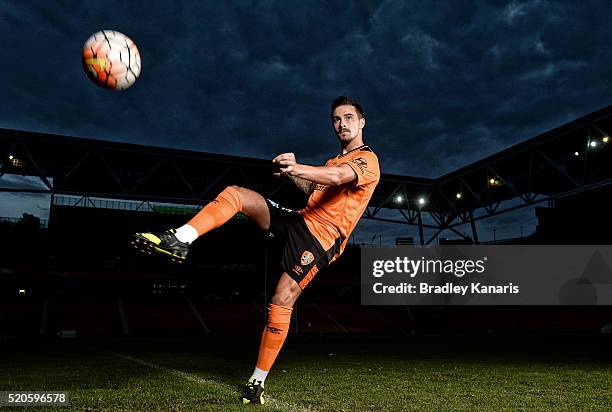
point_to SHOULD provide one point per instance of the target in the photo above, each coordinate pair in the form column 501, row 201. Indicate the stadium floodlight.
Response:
column 421, row 201
column 21, row 291
column 576, row 154
column 399, row 199
column 458, row 195
column 593, row 143
column 605, row 139
column 491, row 181
column 11, row 157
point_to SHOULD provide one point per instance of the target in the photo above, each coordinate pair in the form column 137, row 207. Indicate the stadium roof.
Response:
column 572, row 158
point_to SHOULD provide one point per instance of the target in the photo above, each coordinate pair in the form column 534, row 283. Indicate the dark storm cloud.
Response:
column 22, row 182
column 16, row 204
column 442, row 84
column 490, row 76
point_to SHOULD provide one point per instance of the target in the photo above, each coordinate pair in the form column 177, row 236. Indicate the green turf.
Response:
column 350, row 373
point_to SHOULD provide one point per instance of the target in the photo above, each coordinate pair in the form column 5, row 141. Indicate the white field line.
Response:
column 286, row 406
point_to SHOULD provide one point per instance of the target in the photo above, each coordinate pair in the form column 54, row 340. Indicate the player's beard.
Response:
column 345, row 137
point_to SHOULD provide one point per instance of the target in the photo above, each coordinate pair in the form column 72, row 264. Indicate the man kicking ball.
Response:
column 314, row 237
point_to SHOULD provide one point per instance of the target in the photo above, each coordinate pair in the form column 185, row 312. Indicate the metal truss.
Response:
column 568, row 160
column 565, row 161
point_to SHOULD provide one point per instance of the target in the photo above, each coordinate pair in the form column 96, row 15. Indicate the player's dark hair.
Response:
column 343, row 100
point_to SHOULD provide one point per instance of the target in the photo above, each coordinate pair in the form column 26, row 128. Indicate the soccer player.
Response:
column 315, row 236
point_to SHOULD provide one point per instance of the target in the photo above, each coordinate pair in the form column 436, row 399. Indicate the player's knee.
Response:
column 286, row 297
column 282, row 300
column 234, row 194
column 235, row 189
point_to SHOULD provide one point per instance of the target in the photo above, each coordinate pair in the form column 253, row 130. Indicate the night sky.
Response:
column 443, row 84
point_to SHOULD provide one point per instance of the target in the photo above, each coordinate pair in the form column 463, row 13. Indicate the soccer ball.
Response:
column 111, row 60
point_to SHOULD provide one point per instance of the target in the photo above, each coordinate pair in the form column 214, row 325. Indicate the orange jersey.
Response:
column 333, row 211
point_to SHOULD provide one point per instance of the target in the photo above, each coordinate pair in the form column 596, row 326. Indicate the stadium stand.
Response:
column 78, row 274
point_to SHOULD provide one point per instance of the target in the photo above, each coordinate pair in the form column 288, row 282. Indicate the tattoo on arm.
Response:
column 304, row 185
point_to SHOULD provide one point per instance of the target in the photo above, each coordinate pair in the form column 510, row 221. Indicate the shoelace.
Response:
column 253, row 383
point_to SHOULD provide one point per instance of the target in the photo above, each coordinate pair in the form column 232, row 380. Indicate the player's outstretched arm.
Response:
column 324, row 175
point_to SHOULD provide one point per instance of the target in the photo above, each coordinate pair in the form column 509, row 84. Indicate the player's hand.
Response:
column 286, row 163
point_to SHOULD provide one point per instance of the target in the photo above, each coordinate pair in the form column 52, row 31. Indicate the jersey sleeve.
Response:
column 365, row 165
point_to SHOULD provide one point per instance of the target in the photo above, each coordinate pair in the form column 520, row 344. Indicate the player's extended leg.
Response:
column 273, row 337
column 233, row 199
column 230, row 201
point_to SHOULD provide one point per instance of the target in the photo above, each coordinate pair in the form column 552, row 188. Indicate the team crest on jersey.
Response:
column 361, row 163
column 307, row 258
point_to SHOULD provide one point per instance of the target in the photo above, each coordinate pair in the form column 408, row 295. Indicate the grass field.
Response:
column 321, row 373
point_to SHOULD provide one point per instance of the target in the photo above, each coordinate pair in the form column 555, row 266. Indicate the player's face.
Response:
column 347, row 123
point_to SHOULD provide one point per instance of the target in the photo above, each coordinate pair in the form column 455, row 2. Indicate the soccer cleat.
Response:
column 165, row 243
column 253, row 392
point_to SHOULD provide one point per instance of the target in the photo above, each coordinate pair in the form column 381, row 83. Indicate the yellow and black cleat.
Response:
column 164, row 243
column 253, row 392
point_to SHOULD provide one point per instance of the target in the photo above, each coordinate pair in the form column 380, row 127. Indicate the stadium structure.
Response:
column 76, row 276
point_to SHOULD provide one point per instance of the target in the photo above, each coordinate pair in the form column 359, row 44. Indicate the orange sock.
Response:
column 274, row 335
column 217, row 212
